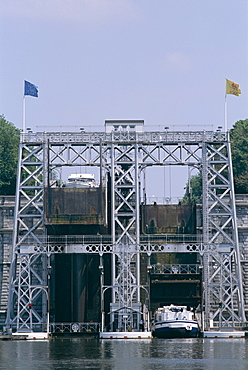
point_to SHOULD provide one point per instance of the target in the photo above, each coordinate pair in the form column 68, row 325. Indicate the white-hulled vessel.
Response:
column 174, row 322
column 82, row 180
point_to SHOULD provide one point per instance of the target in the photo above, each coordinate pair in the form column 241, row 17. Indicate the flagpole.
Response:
column 225, row 115
column 24, row 115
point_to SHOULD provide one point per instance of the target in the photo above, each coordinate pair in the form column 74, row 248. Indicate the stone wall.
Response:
column 7, row 204
column 242, row 221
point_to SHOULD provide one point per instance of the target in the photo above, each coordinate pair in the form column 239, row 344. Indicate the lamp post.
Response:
column 101, row 270
column 201, row 304
column 49, row 269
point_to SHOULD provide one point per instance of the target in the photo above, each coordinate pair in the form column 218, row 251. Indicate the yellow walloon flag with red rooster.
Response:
column 232, row 88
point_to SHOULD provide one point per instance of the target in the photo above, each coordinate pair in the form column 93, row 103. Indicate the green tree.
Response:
column 9, row 144
column 239, row 145
column 193, row 189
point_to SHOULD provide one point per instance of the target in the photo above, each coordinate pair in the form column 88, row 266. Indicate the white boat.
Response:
column 82, row 180
column 174, row 322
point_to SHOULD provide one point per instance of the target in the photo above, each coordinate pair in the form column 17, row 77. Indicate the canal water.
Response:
column 91, row 353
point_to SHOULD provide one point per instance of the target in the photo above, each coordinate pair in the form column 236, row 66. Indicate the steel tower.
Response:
column 123, row 151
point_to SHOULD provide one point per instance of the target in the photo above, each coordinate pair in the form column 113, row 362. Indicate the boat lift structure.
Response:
column 123, row 152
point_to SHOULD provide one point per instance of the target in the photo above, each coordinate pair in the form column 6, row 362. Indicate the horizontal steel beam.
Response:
column 57, row 138
column 118, row 248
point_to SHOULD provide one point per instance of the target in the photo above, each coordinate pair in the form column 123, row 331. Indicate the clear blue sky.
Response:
column 162, row 61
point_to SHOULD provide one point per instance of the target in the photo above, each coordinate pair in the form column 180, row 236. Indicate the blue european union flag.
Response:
column 30, row 89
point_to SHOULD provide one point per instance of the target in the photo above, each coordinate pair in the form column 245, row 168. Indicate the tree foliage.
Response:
column 9, row 144
column 239, row 145
column 239, row 148
column 193, row 189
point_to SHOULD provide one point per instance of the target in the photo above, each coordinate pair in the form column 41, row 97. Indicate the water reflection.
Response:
column 87, row 353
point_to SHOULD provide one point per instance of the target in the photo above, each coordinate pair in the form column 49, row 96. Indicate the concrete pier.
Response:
column 126, row 335
column 223, row 334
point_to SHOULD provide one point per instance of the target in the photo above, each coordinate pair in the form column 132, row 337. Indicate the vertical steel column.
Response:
column 44, row 257
column 27, row 306
column 205, row 232
column 137, row 217
column 113, row 256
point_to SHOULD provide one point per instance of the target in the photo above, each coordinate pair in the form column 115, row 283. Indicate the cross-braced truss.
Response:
column 125, row 226
column 223, row 279
column 30, row 293
column 124, row 155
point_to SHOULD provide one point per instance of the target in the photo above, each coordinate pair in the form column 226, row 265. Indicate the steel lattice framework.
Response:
column 124, row 155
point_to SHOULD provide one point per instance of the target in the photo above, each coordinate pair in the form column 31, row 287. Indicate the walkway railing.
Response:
column 107, row 239
column 171, row 238
column 73, row 328
column 146, row 137
column 175, row 269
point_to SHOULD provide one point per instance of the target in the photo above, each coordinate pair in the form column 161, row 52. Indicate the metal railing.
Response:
column 161, row 200
column 175, row 269
column 146, row 137
column 171, row 238
column 107, row 239
column 73, row 328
